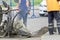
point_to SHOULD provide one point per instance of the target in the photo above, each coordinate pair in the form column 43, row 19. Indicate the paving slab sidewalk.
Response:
column 55, row 36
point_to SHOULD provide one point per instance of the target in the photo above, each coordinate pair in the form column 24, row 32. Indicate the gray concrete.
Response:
column 36, row 24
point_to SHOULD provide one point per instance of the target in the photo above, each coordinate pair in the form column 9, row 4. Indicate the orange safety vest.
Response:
column 52, row 5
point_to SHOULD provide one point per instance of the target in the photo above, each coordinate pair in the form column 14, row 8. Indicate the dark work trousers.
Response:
column 51, row 16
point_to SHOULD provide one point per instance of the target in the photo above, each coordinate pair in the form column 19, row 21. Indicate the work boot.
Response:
column 50, row 31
